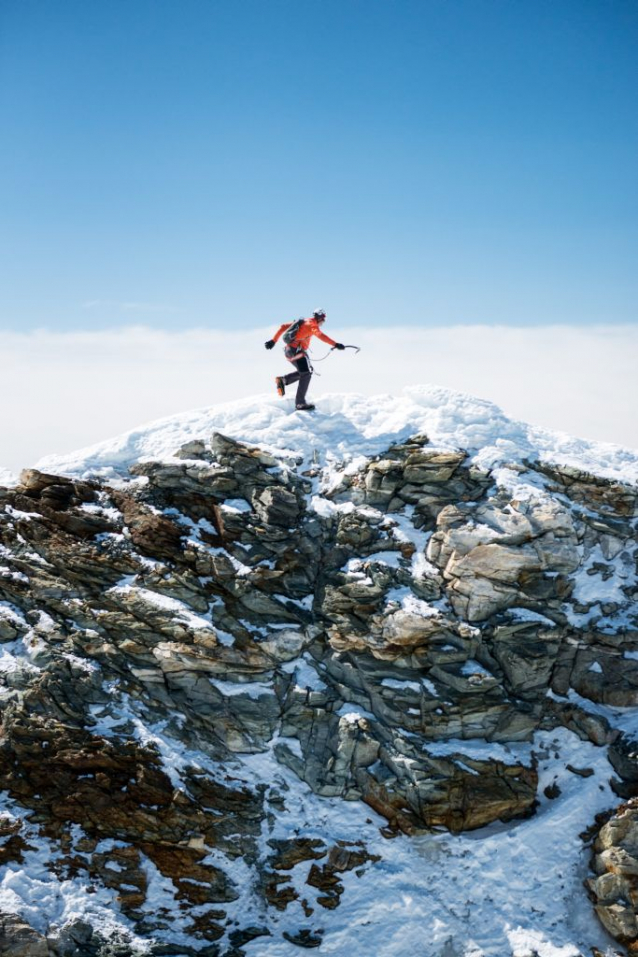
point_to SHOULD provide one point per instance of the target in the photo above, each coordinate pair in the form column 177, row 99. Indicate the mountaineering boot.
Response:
column 305, row 407
column 281, row 385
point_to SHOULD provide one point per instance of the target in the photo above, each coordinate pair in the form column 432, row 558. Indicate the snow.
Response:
column 32, row 890
column 435, row 894
column 526, row 614
column 391, row 559
column 236, row 505
column 109, row 513
column 254, row 689
column 16, row 576
column 439, row 894
column 163, row 602
column 84, row 664
column 18, row 513
column 306, row 677
column 326, row 508
column 12, row 660
column 305, row 602
column 592, row 591
column 8, row 478
column 590, row 586
column 224, row 638
column 471, row 667
column 13, row 614
column 401, row 685
column 22, row 654
column 430, row 687
column 347, row 426
column 352, row 713
column 519, row 752
column 410, row 603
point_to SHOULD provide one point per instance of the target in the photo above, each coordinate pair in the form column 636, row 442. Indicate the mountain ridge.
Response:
column 347, row 424
column 249, row 691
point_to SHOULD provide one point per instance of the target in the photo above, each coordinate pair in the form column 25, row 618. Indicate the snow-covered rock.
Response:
column 258, row 668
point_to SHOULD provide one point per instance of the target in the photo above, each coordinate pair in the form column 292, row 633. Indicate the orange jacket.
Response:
column 308, row 329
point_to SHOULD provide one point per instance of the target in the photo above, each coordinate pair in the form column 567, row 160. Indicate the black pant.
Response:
column 302, row 376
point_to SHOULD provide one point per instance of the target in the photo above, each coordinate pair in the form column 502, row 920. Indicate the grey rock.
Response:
column 426, row 604
column 19, row 939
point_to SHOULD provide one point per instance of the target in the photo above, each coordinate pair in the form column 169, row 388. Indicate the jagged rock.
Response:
column 428, row 479
column 493, row 555
column 12, row 626
column 614, row 889
column 341, row 858
column 154, row 535
column 13, row 844
column 351, row 630
column 67, row 776
column 592, row 490
column 194, row 450
column 526, row 653
column 277, row 506
column 623, row 756
column 586, row 724
column 305, row 938
column 19, row 939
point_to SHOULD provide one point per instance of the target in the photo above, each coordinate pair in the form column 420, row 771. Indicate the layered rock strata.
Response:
column 363, row 628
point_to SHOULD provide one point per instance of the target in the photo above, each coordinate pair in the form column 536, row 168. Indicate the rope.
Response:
column 311, row 360
column 323, row 358
column 328, row 353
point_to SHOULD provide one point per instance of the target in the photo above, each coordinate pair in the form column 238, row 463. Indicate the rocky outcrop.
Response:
column 19, row 939
column 505, row 553
column 363, row 636
column 614, row 888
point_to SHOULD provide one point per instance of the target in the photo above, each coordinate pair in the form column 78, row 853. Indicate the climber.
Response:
column 297, row 336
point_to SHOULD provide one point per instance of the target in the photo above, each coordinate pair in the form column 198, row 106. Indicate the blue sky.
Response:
column 233, row 164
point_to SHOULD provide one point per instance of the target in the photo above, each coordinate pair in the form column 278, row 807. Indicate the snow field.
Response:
column 347, row 426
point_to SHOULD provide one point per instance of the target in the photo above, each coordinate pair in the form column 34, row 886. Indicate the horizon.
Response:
column 578, row 381
column 213, row 169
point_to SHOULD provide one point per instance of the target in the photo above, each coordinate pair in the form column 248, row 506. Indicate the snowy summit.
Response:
column 346, row 426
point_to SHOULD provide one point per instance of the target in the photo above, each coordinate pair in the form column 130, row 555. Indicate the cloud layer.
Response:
column 60, row 391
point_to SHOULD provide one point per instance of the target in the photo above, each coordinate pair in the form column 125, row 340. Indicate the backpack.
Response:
column 291, row 331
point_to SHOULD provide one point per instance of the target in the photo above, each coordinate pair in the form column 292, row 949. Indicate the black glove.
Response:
column 270, row 344
column 339, row 345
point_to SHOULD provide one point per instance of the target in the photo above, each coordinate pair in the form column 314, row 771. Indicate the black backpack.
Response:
column 292, row 330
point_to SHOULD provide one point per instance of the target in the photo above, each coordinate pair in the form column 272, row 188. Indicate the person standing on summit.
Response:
column 297, row 336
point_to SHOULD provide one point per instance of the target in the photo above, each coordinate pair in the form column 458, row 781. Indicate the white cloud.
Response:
column 60, row 391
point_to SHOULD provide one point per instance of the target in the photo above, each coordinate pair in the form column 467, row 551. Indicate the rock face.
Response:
column 362, row 632
column 614, row 889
